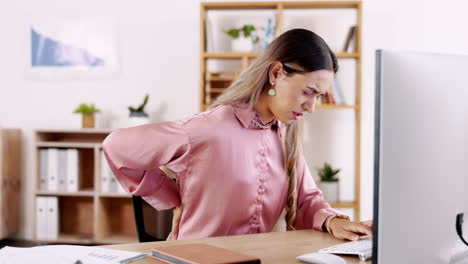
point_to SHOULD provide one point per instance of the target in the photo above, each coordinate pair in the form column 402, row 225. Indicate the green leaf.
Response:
column 248, row 29
column 141, row 107
column 86, row 109
column 327, row 173
column 233, row 33
column 256, row 39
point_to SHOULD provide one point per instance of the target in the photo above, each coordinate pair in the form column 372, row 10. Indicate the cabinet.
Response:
column 213, row 82
column 10, row 178
column 86, row 215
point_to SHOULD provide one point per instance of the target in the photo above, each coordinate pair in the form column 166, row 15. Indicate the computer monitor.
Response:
column 421, row 155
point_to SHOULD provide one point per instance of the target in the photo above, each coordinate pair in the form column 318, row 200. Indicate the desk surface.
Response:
column 271, row 248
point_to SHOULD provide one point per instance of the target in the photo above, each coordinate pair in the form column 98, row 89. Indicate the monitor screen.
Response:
column 421, row 155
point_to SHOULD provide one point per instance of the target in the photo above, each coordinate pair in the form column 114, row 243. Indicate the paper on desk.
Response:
column 67, row 254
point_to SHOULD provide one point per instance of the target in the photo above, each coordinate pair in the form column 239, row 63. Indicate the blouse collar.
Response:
column 247, row 115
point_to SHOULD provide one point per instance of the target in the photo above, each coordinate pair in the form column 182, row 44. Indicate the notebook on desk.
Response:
column 200, row 254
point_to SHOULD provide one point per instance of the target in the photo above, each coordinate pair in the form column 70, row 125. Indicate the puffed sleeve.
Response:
column 312, row 209
column 135, row 155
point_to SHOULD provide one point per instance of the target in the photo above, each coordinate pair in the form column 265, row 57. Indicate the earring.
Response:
column 271, row 92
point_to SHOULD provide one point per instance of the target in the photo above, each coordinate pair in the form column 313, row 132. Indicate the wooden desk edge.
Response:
column 271, row 248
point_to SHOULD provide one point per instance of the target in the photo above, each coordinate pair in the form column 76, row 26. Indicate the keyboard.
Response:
column 361, row 248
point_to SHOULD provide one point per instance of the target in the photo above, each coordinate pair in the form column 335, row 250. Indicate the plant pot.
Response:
column 87, row 120
column 330, row 191
column 242, row 44
column 138, row 119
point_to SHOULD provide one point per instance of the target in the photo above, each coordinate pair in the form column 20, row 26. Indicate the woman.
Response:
column 240, row 164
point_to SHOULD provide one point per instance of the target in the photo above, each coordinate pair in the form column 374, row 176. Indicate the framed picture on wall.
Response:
column 73, row 48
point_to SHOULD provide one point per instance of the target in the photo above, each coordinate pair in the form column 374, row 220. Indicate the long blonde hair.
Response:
column 300, row 51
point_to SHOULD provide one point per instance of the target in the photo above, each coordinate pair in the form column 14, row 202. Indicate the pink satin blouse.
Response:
column 230, row 174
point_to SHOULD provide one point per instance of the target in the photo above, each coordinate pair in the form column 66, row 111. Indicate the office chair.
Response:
column 151, row 225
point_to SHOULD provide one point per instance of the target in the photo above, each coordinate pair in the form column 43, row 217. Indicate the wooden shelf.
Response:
column 69, row 239
column 239, row 56
column 333, row 106
column 216, row 90
column 69, row 136
column 115, row 219
column 221, row 76
column 344, row 205
column 86, row 216
column 209, row 94
column 84, row 239
column 230, row 55
column 345, row 55
column 238, row 5
column 321, row 4
column 275, row 5
column 319, row 107
column 115, row 195
column 74, row 131
column 48, row 144
column 83, row 193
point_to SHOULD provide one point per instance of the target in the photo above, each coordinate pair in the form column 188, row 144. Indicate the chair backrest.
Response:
column 151, row 225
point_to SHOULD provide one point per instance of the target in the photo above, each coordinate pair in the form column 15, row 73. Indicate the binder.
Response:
column 41, row 218
column 113, row 184
column 73, row 180
column 62, row 170
column 120, row 188
column 104, row 174
column 43, row 171
column 52, row 169
column 52, row 218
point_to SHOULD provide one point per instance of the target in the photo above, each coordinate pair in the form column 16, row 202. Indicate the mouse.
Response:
column 321, row 258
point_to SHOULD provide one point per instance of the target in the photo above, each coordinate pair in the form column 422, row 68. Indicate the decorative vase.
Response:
column 242, row 44
column 87, row 120
column 330, row 191
column 138, row 119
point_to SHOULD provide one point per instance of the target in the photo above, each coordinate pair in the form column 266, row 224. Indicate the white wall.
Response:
column 419, row 25
column 159, row 43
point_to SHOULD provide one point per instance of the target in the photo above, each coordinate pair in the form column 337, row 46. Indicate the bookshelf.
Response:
column 10, row 181
column 210, row 86
column 88, row 215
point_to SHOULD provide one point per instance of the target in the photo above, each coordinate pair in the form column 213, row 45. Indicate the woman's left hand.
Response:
column 345, row 229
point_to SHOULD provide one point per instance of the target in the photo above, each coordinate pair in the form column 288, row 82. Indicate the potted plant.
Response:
column 243, row 39
column 138, row 116
column 87, row 111
column 329, row 182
